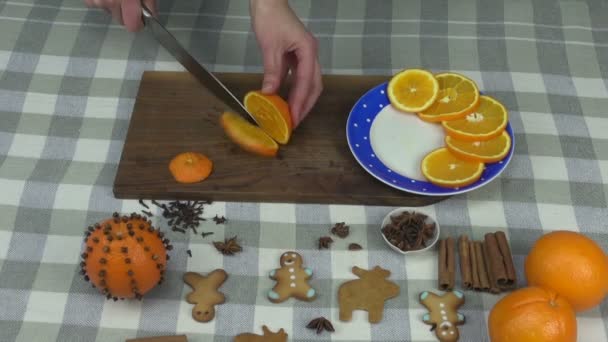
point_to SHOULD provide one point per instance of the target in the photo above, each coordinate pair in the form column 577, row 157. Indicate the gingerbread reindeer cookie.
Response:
column 269, row 336
column 368, row 293
column 205, row 294
column 291, row 280
column 443, row 314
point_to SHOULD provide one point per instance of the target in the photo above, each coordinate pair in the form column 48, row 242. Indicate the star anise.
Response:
column 320, row 324
column 219, row 220
column 340, row 230
column 325, row 242
column 228, row 247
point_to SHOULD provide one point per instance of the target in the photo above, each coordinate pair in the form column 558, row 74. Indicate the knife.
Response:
column 204, row 76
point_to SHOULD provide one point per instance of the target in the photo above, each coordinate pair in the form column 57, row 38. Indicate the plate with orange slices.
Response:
column 430, row 134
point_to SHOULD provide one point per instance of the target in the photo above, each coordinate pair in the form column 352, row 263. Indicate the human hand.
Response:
column 126, row 12
column 286, row 44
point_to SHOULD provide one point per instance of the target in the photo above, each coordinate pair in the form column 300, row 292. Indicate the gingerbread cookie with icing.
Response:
column 443, row 314
column 291, row 280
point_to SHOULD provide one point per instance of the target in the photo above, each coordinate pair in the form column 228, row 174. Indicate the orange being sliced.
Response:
column 441, row 167
column 413, row 90
column 249, row 137
column 458, row 96
column 271, row 112
column 486, row 122
column 489, row 151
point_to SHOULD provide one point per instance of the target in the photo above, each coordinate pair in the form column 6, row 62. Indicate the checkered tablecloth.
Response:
column 68, row 79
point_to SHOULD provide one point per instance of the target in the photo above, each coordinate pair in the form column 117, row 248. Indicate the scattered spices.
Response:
column 354, row 247
column 141, row 201
column 409, row 231
column 189, row 253
column 340, row 229
column 205, row 234
column 183, row 215
column 320, row 324
column 325, row 242
column 219, row 220
column 228, row 247
column 147, row 213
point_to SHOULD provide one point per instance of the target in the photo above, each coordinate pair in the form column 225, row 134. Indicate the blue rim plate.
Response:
column 358, row 128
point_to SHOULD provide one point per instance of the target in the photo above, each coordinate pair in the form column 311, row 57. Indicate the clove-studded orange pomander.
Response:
column 124, row 256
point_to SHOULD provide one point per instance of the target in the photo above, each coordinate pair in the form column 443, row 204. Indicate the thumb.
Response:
column 273, row 71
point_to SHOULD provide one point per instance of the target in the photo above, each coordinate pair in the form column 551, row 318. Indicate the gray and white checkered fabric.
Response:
column 68, row 79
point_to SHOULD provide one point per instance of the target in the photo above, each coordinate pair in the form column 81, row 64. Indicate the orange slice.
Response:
column 486, row 122
column 190, row 167
column 458, row 96
column 249, row 137
column 413, row 90
column 271, row 112
column 441, row 167
column 489, row 151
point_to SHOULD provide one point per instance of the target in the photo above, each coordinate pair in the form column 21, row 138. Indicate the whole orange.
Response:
column 572, row 265
column 124, row 256
column 532, row 314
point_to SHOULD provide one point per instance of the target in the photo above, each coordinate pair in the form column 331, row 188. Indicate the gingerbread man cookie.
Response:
column 205, row 294
column 269, row 336
column 291, row 280
column 367, row 293
column 443, row 314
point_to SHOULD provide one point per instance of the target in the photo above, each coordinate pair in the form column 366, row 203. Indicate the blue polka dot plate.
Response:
column 390, row 146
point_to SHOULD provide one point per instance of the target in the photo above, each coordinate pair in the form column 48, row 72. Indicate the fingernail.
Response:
column 266, row 87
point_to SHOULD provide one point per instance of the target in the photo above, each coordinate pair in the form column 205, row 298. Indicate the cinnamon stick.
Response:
column 507, row 258
column 474, row 262
column 451, row 263
column 465, row 262
column 481, row 267
column 496, row 262
column 490, row 269
column 446, row 264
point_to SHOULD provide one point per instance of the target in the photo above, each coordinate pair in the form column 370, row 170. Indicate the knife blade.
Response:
column 204, row 76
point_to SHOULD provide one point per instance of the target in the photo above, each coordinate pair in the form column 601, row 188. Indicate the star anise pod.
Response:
column 340, row 230
column 325, row 242
column 228, row 247
column 219, row 220
column 320, row 324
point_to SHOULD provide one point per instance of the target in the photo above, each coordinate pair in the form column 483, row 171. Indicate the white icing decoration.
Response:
column 442, row 312
column 452, row 332
column 292, row 277
column 292, row 284
column 441, row 305
column 291, row 270
column 445, row 318
column 444, row 333
column 293, row 255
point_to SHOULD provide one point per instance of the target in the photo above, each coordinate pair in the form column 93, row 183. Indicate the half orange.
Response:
column 458, row 96
column 271, row 112
column 249, row 137
column 442, row 168
column 486, row 122
column 489, row 151
column 413, row 90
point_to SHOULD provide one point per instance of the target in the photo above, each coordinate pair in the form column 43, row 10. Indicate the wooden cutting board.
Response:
column 173, row 113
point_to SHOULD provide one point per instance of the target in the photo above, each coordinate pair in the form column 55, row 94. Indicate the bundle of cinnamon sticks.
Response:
column 484, row 265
